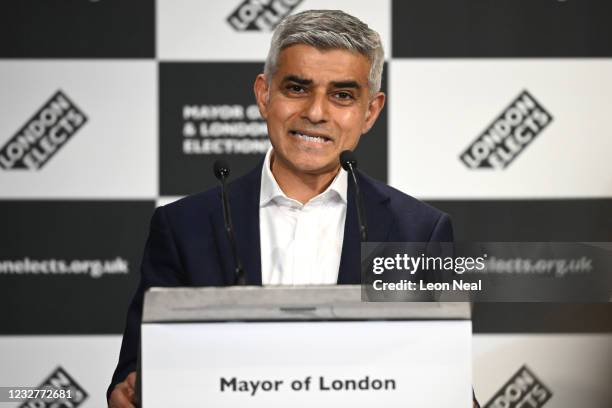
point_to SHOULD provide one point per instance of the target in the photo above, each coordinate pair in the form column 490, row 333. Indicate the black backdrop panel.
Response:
column 204, row 107
column 77, row 29
column 64, row 236
column 532, row 221
column 501, row 28
column 372, row 148
column 542, row 318
column 566, row 220
column 222, row 92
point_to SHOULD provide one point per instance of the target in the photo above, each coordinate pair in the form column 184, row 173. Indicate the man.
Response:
column 294, row 215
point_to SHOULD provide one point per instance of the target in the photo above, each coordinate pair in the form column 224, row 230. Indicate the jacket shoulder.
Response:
column 205, row 202
column 411, row 219
column 202, row 205
column 195, row 203
column 399, row 201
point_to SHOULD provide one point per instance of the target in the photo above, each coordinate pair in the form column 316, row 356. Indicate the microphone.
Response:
column 222, row 171
column 349, row 163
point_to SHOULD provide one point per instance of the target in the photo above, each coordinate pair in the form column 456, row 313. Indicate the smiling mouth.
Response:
column 310, row 138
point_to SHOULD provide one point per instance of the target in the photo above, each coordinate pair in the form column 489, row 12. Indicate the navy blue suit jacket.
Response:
column 188, row 245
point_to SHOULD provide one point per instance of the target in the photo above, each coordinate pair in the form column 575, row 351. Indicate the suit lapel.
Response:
column 349, row 272
column 379, row 223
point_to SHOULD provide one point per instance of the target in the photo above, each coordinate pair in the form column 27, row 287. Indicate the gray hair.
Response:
column 328, row 29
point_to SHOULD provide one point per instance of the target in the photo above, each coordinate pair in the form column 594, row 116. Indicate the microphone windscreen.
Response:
column 347, row 158
column 221, row 169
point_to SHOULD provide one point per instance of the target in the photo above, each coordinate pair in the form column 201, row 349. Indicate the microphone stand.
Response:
column 221, row 169
column 349, row 163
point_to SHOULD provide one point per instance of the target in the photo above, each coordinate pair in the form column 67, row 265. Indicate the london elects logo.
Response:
column 509, row 134
column 261, row 15
column 43, row 135
column 71, row 395
column 523, row 390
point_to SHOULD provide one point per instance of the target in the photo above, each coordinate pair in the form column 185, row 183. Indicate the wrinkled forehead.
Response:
column 322, row 65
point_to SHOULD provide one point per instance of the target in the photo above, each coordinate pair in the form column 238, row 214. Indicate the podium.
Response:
column 301, row 347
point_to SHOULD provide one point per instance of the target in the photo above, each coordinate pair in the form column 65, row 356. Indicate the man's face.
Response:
column 316, row 105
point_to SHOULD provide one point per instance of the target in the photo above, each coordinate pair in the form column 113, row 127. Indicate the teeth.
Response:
column 316, row 139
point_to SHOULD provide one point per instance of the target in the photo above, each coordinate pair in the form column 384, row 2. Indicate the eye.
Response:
column 343, row 95
column 294, row 88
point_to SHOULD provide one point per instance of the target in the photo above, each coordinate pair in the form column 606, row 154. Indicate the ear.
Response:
column 261, row 89
column 374, row 107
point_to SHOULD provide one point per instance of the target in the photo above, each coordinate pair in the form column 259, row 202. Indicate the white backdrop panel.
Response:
column 577, row 368
column 27, row 361
column 114, row 154
column 439, row 107
column 193, row 29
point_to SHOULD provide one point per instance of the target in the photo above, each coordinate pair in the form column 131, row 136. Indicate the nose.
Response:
column 316, row 108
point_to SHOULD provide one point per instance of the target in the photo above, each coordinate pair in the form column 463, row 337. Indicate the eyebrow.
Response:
column 335, row 84
column 297, row 80
column 346, row 84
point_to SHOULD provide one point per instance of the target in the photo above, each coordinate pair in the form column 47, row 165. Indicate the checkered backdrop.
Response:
column 109, row 108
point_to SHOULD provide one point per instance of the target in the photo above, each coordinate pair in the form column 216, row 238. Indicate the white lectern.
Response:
column 301, row 347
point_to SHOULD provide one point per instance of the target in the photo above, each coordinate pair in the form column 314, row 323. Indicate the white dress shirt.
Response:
column 301, row 244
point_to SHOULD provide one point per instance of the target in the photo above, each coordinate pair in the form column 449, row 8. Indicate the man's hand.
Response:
column 124, row 393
